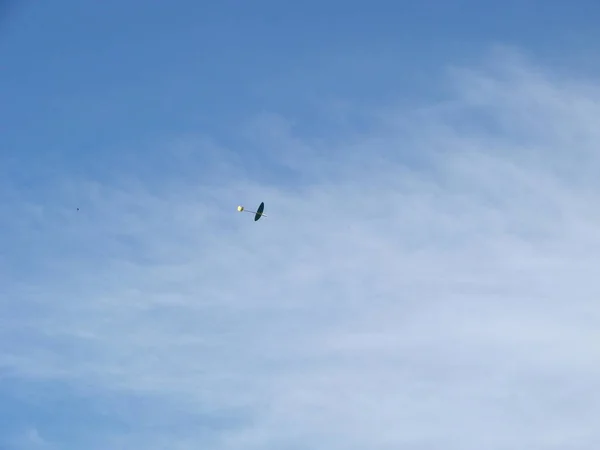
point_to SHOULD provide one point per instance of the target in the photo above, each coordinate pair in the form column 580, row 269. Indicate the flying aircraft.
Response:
column 257, row 214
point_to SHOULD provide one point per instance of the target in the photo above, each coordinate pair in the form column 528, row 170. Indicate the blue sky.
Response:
column 427, row 275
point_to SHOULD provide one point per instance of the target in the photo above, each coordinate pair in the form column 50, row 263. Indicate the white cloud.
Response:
column 28, row 439
column 447, row 303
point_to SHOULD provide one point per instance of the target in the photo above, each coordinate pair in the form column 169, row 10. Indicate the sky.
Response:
column 426, row 277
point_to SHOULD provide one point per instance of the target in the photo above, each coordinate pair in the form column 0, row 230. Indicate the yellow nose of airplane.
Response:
column 240, row 208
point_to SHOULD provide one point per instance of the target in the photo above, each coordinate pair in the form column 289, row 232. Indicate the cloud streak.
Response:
column 449, row 299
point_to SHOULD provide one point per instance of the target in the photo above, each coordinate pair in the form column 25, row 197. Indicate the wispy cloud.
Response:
column 428, row 283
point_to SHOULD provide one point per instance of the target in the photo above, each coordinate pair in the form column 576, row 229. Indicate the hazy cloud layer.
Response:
column 431, row 282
